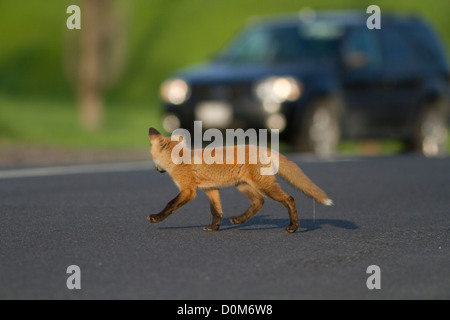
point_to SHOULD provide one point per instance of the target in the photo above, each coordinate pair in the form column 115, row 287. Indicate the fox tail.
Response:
column 295, row 176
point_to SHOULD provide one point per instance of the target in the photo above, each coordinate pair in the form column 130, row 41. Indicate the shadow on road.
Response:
column 264, row 222
column 310, row 225
column 306, row 225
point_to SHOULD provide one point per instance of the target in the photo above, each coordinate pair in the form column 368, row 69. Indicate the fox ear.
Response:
column 153, row 131
column 153, row 134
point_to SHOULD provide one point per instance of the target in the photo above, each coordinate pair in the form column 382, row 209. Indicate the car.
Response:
column 322, row 79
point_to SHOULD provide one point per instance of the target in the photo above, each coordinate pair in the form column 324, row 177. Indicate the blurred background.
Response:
column 91, row 94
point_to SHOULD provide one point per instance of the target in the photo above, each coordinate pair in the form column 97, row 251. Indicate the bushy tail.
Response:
column 295, row 176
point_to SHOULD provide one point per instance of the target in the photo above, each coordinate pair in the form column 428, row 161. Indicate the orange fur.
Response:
column 246, row 177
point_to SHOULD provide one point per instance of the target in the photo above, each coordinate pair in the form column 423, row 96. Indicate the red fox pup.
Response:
column 245, row 175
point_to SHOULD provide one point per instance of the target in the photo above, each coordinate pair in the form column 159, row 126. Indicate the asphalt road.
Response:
column 392, row 212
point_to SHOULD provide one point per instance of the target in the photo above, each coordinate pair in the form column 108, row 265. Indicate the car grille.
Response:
column 233, row 92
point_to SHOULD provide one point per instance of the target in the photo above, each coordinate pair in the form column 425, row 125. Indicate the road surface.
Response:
column 391, row 212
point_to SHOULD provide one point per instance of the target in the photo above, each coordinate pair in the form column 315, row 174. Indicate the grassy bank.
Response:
column 55, row 123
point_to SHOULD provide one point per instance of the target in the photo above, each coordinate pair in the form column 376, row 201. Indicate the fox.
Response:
column 246, row 177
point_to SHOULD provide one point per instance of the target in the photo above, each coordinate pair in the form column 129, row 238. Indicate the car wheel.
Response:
column 320, row 129
column 430, row 136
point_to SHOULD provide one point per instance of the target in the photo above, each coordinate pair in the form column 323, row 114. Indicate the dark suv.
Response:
column 319, row 79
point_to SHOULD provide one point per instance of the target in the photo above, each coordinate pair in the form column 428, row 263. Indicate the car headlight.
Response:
column 276, row 121
column 171, row 122
column 278, row 89
column 175, row 91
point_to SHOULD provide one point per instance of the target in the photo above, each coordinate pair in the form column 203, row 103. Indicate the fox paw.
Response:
column 237, row 220
column 154, row 218
column 291, row 228
column 211, row 227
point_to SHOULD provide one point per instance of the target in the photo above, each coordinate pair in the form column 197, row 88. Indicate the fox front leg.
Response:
column 180, row 200
column 216, row 209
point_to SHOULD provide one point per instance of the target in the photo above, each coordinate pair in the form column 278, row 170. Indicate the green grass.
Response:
column 53, row 123
column 371, row 147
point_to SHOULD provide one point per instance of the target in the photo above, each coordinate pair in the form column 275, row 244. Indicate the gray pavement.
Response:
column 392, row 212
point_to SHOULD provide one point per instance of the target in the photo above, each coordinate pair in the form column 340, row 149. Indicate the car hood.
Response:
column 229, row 73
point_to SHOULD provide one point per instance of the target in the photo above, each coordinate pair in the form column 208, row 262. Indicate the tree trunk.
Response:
column 90, row 86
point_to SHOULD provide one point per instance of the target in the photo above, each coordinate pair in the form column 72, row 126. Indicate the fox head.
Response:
column 157, row 141
column 161, row 149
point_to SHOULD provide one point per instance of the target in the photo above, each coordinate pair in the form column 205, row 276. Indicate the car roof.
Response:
column 344, row 18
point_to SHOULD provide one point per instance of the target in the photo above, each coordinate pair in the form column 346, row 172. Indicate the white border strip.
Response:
column 76, row 169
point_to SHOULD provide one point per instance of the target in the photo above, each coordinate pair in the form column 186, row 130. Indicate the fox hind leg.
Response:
column 216, row 209
column 275, row 192
column 256, row 203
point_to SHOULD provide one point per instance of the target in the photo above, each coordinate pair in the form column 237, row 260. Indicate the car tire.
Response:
column 430, row 135
column 320, row 130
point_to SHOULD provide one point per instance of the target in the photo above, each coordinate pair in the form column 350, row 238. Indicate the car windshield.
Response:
column 287, row 44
